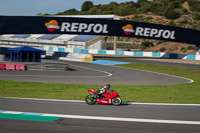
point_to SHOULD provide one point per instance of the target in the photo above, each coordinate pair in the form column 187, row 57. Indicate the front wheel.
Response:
column 90, row 100
column 116, row 101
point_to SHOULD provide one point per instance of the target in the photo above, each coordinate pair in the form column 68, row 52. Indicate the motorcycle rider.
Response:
column 103, row 90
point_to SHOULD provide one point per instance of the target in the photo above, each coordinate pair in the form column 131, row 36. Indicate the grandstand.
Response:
column 65, row 37
column 83, row 37
column 21, row 36
column 49, row 36
column 52, row 42
column 35, row 36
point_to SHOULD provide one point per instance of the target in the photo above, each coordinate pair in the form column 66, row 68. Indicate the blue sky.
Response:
column 33, row 7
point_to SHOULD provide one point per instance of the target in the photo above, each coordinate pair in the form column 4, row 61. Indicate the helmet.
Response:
column 108, row 86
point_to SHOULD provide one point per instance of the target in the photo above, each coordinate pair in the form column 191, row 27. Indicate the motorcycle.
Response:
column 109, row 97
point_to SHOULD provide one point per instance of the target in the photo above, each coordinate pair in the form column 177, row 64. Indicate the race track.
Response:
column 94, row 74
column 78, row 117
column 148, row 118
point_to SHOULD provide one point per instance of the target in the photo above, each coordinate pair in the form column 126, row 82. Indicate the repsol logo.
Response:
column 149, row 32
column 83, row 27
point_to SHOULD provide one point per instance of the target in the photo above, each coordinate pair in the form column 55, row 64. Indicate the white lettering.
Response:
column 139, row 31
column 105, row 27
column 65, row 27
column 159, row 33
column 146, row 31
column 153, row 32
column 89, row 28
column 166, row 34
column 98, row 28
column 172, row 35
column 82, row 26
column 74, row 27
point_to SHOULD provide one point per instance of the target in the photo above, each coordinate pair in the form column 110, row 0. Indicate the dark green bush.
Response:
column 147, row 44
column 196, row 16
column 171, row 14
column 162, row 49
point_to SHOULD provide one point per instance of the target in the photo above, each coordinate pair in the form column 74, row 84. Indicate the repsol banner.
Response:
column 86, row 26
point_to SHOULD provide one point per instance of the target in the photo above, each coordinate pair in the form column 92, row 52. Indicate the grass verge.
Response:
column 181, row 93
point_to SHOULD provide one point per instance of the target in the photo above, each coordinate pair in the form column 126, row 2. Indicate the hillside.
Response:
column 173, row 47
column 179, row 13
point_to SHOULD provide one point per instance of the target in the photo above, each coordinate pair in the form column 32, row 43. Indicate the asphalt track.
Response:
column 63, row 125
column 84, row 73
column 149, row 61
column 94, row 74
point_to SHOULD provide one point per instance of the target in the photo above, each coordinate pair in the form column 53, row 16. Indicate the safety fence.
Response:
column 125, row 53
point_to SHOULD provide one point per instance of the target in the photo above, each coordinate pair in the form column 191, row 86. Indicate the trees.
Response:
column 196, row 16
column 68, row 12
column 141, row 1
column 147, row 44
column 87, row 5
column 167, row 8
column 171, row 14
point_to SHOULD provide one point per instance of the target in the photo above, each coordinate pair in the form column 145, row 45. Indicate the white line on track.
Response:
column 109, row 74
column 77, row 101
column 125, row 119
column 58, row 76
column 109, row 118
column 190, row 80
column 51, row 76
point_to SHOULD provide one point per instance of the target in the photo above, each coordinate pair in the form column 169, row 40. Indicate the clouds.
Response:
column 32, row 7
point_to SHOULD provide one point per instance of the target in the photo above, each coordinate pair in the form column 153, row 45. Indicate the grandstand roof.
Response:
column 26, row 48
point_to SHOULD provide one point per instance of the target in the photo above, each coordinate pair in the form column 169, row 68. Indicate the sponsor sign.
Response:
column 149, row 32
column 105, row 27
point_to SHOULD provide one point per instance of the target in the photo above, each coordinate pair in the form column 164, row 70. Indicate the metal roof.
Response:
column 26, row 48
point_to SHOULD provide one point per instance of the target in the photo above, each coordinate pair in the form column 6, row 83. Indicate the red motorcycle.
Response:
column 109, row 97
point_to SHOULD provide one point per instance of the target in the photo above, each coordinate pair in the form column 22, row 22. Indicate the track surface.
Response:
column 86, row 73
column 182, row 113
column 149, row 61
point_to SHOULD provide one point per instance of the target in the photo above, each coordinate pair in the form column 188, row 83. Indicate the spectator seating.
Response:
column 83, row 37
column 49, row 36
column 21, row 36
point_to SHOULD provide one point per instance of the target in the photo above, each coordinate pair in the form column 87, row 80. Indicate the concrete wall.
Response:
column 113, row 52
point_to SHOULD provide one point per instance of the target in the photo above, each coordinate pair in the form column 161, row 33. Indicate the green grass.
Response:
column 181, row 93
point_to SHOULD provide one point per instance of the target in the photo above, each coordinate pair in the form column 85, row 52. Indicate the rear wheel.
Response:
column 90, row 100
column 116, row 101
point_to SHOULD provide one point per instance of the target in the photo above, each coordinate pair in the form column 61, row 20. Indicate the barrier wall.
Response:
column 12, row 66
column 2, row 66
column 129, row 53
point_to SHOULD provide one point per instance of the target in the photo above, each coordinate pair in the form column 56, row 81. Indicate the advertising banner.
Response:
column 88, row 26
